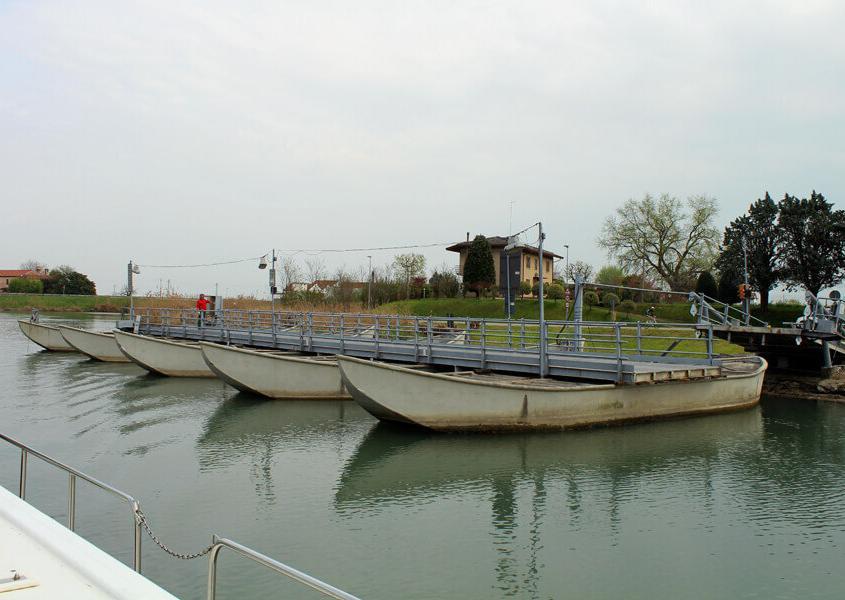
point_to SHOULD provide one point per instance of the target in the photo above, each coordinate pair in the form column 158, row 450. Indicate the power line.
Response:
column 299, row 251
column 374, row 249
column 214, row 264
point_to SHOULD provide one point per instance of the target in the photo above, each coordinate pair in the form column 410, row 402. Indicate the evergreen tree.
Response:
column 813, row 242
column 729, row 287
column 707, row 285
column 66, row 280
column 479, row 272
column 763, row 239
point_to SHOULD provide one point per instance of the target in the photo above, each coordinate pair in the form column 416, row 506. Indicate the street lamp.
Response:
column 131, row 269
column 262, row 264
column 567, row 260
column 370, row 284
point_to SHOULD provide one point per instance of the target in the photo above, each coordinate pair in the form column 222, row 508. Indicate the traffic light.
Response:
column 742, row 291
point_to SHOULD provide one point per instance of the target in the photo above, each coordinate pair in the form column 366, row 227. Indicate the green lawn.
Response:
column 493, row 308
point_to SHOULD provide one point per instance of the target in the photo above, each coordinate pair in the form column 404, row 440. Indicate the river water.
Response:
column 744, row 505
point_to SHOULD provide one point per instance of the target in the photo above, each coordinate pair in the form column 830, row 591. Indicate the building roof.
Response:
column 497, row 241
column 21, row 273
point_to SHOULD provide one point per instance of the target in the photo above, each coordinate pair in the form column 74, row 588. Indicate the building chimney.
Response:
column 467, row 235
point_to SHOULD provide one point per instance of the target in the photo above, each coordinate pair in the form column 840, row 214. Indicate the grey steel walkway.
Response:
column 469, row 348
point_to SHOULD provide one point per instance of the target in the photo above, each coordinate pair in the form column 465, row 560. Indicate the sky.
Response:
column 197, row 132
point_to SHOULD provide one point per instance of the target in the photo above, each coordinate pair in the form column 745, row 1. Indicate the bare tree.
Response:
column 409, row 265
column 581, row 268
column 290, row 272
column 315, row 268
column 661, row 238
column 33, row 265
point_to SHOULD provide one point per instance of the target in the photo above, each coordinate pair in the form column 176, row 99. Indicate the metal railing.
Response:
column 138, row 518
column 421, row 338
column 824, row 314
column 303, row 578
column 712, row 311
column 73, row 475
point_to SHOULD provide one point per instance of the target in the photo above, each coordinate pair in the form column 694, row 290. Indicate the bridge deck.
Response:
column 448, row 352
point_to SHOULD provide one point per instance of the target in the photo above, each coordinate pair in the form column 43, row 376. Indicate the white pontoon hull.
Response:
column 447, row 402
column 99, row 346
column 163, row 357
column 49, row 338
column 275, row 375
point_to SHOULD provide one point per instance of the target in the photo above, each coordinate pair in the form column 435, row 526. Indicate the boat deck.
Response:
column 54, row 562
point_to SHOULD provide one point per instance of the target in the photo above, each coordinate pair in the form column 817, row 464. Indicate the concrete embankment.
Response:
column 791, row 386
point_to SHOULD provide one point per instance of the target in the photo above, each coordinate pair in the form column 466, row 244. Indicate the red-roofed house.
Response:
column 8, row 275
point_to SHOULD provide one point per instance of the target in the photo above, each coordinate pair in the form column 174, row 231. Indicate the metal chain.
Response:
column 142, row 520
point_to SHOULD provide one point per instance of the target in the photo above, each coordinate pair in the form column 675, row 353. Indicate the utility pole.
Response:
column 131, row 269
column 542, row 313
column 370, row 284
column 747, row 299
column 273, row 283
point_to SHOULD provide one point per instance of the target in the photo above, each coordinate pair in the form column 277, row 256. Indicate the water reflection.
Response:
column 256, row 430
column 394, row 463
column 401, row 467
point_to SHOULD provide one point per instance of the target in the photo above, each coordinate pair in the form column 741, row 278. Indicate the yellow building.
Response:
column 524, row 262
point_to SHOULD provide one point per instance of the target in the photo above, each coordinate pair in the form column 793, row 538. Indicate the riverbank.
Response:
column 790, row 386
column 490, row 308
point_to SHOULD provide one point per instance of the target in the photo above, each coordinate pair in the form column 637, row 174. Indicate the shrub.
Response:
column 524, row 288
column 591, row 298
column 627, row 306
column 26, row 285
column 555, row 291
column 609, row 299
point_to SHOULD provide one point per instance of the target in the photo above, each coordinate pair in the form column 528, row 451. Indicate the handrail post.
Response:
column 429, row 334
column 522, row 333
column 137, row 539
column 483, row 332
column 710, row 343
column 212, row 567
column 71, row 502
column 22, row 481
column 618, row 327
column 639, row 338
column 376, row 334
column 416, row 339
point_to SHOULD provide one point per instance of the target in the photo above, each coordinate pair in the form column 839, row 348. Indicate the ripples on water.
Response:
column 744, row 505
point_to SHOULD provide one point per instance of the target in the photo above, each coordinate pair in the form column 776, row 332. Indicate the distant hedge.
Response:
column 26, row 285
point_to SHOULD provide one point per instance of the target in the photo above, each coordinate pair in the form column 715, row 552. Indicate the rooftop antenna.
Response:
column 510, row 219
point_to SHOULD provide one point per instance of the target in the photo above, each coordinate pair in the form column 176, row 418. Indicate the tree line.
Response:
column 63, row 279
column 796, row 242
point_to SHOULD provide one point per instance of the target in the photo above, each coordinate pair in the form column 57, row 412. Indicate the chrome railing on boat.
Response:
column 73, row 475
column 213, row 550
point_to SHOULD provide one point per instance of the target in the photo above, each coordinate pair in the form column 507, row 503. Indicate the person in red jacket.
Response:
column 202, row 306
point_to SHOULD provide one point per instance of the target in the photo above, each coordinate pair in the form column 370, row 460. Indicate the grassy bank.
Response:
column 555, row 310
column 59, row 303
column 491, row 308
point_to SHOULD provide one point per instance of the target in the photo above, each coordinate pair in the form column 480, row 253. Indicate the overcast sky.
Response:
column 193, row 132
